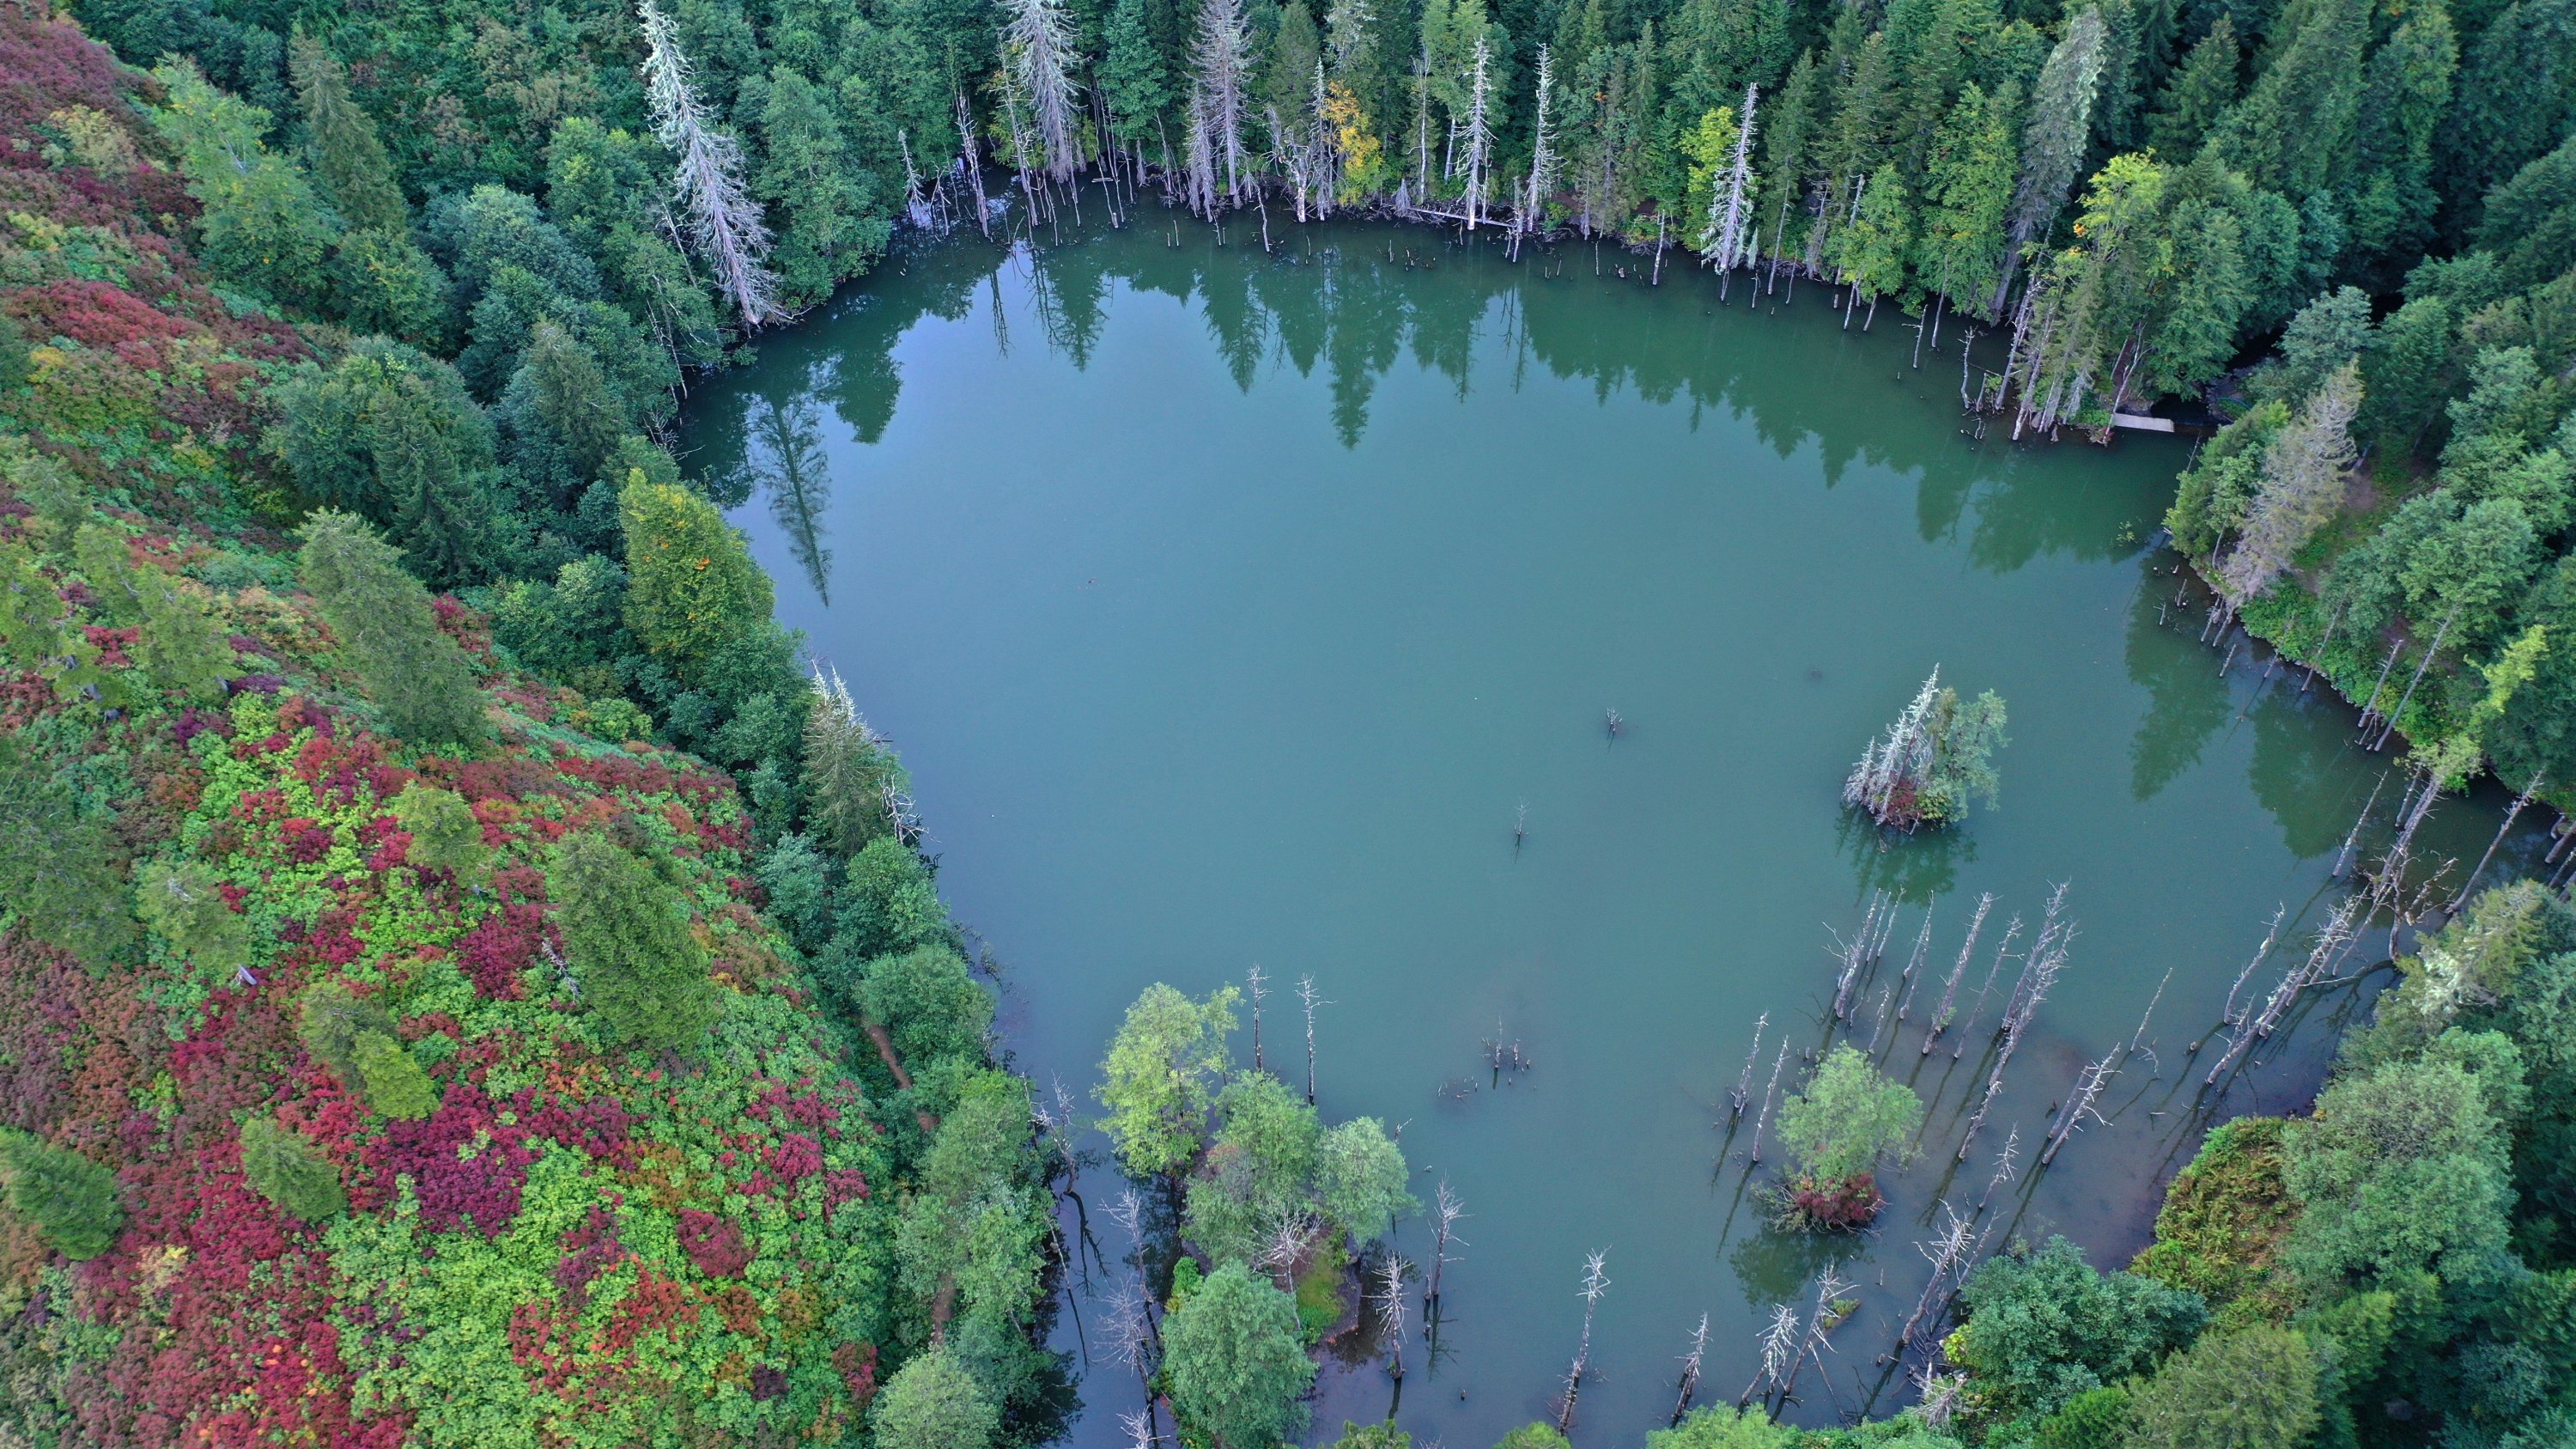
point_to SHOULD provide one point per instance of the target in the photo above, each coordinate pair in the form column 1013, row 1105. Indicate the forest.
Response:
column 468, row 977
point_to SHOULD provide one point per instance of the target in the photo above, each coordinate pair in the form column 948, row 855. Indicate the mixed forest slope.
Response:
column 396, row 1046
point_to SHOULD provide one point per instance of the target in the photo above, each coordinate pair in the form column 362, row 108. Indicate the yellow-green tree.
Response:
column 691, row 584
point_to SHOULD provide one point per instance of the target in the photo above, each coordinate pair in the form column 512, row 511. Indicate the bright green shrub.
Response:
column 444, row 833
column 933, row 1403
column 2093, row 1419
column 2256, row 1389
column 394, row 1083
column 928, row 1003
column 1360, row 1178
column 1719, row 1427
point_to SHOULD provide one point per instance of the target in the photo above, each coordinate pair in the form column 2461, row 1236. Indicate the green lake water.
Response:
column 1229, row 608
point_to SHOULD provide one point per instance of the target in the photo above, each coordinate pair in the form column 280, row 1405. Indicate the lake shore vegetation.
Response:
column 467, row 978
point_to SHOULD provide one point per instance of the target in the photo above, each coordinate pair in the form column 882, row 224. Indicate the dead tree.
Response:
column 1950, row 988
column 1779, row 1345
column 1914, row 963
column 2510, row 815
column 2333, row 939
column 2012, row 933
column 1744, row 1084
column 1690, row 1369
column 1446, row 1210
column 1258, row 982
column 1595, row 1283
column 1947, row 1250
column 1821, row 1321
column 1306, row 994
column 2229, row 1015
column 1763, row 1118
column 2088, row 1085
column 1391, row 1311
column 723, row 224
column 2003, row 1166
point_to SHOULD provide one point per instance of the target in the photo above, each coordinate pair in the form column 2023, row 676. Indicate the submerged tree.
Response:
column 1937, row 756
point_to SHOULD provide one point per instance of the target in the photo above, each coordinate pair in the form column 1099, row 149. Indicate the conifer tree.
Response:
column 260, row 226
column 722, row 222
column 810, row 173
column 1132, row 76
column 286, row 1171
column 1967, row 189
column 2392, row 198
column 2293, row 132
column 2200, row 93
column 180, row 904
column 391, row 1080
column 69, row 1199
column 61, row 874
column 563, row 419
column 642, row 971
column 1875, row 246
column 2053, row 141
column 444, row 833
column 849, row 772
column 415, row 676
column 348, row 158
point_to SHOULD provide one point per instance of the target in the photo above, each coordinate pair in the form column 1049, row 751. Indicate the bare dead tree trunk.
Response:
column 1306, row 994
column 1763, row 1118
column 2390, row 728
column 1595, row 1283
column 1950, row 988
column 2510, row 815
column 2269, row 936
column 1744, row 1084
column 1690, row 1369
column 1258, row 982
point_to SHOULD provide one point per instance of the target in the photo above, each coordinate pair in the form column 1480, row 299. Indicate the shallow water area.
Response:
column 1234, row 607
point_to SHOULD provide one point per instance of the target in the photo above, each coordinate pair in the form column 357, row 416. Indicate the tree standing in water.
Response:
column 1850, row 1119
column 1937, row 756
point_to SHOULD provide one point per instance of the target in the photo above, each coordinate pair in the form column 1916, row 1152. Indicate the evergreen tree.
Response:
column 1133, row 79
column 2052, row 141
column 260, row 226
column 179, row 903
column 2517, row 93
column 850, row 775
column 2406, row 376
column 2200, row 93
column 390, row 435
column 2392, row 202
column 642, row 971
column 2293, row 132
column 348, row 158
column 2530, row 221
column 392, row 1082
column 560, row 421
column 69, row 1199
column 444, row 833
column 835, row 224
column 1967, row 188
column 329, row 1020
column 1875, row 246
column 61, row 875
column 417, row 677
column 284, row 1169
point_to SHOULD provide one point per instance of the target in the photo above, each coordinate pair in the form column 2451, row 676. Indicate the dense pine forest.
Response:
column 469, row 978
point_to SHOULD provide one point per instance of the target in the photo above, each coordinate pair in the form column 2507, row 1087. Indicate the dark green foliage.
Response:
column 283, row 1169
column 2403, row 1168
column 2094, row 1419
column 889, row 905
column 927, row 1001
column 416, row 677
column 2255, row 1389
column 71, row 1200
column 2530, row 221
column 348, row 159
column 2044, row 1327
column 1233, row 1360
column 559, row 421
column 641, row 970
column 572, row 630
column 261, row 227
column 388, row 434
column 61, row 877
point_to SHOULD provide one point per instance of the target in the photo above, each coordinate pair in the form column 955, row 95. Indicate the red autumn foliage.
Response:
column 713, row 1243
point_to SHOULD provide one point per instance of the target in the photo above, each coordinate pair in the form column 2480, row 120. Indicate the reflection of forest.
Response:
column 1352, row 300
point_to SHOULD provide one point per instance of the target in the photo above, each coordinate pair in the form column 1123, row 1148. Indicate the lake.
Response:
column 1234, row 607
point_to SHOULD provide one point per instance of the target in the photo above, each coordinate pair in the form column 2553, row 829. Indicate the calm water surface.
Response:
column 1231, row 609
